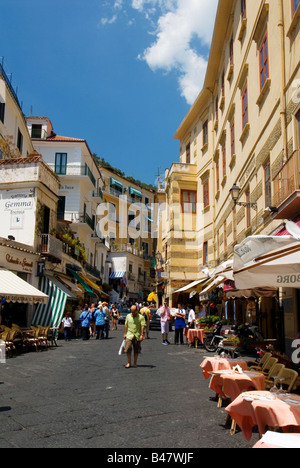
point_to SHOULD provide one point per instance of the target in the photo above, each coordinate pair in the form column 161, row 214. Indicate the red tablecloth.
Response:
column 231, row 384
column 216, row 364
column 192, row 334
column 280, row 412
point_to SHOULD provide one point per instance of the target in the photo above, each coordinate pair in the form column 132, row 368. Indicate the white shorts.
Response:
column 165, row 328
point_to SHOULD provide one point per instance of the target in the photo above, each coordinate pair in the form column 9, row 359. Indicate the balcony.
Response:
column 51, row 247
column 74, row 170
column 286, row 189
column 127, row 248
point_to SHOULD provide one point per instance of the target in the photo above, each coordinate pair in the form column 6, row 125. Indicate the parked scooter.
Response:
column 247, row 335
column 212, row 340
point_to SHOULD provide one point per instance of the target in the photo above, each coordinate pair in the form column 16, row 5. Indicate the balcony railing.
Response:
column 73, row 170
column 126, row 248
column 51, row 247
column 287, row 181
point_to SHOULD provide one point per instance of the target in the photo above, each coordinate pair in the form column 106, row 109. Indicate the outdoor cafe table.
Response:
column 273, row 440
column 264, row 409
column 231, row 384
column 216, row 363
column 195, row 334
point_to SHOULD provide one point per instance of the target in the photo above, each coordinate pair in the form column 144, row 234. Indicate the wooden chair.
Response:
column 32, row 340
column 261, row 363
column 272, row 374
column 43, row 336
column 290, row 376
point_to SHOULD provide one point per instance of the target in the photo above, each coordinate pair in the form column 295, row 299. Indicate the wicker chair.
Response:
column 290, row 376
column 260, row 364
column 272, row 374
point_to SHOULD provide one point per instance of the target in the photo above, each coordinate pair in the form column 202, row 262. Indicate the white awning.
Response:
column 267, row 266
column 14, row 289
column 191, row 287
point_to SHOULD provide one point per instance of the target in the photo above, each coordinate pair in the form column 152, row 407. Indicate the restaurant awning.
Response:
column 52, row 313
column 191, row 287
column 258, row 263
column 15, row 289
column 94, row 286
column 87, row 289
column 117, row 274
column 75, row 290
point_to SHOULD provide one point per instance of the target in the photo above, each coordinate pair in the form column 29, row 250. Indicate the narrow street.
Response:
column 80, row 395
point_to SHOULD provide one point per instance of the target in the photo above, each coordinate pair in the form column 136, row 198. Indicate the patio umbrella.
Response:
column 257, row 263
column 152, row 297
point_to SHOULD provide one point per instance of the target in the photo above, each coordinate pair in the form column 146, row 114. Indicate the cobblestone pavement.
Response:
column 80, row 395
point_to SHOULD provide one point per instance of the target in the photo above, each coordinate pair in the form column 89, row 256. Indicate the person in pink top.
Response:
column 165, row 316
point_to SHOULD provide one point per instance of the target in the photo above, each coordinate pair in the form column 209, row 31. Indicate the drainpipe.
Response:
column 283, row 81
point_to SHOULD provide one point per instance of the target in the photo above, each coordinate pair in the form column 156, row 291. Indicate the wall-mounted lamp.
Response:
column 235, row 193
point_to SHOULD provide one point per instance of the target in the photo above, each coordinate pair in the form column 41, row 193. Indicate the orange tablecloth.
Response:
column 192, row 334
column 215, row 364
column 231, row 384
column 275, row 413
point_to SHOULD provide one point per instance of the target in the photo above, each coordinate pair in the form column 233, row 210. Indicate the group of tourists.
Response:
column 91, row 321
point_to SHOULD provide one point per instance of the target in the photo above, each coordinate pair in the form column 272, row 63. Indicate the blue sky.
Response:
column 121, row 74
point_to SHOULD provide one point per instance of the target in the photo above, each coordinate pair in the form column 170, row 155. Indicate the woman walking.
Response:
column 100, row 321
column 115, row 317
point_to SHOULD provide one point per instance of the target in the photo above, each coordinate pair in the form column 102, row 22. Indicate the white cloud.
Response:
column 178, row 25
column 173, row 50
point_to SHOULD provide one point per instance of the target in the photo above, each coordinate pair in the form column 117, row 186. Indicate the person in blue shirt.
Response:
column 99, row 316
column 180, row 324
column 86, row 318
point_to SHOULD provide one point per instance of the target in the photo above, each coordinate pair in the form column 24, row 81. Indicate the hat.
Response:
column 105, row 304
column 99, row 303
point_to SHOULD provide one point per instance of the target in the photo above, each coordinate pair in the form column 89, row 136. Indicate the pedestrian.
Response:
column 93, row 322
column 100, row 321
column 85, row 318
column 77, row 321
column 114, row 317
column 107, row 319
column 191, row 317
column 179, row 324
column 165, row 317
column 145, row 312
column 67, row 323
column 134, row 334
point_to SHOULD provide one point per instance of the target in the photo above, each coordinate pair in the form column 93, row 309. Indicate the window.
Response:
column 61, row 163
column 61, row 205
column 206, row 193
column 36, row 131
column 20, row 141
column 223, row 84
column 295, row 4
column 205, row 133
column 298, row 131
column 188, row 201
column 245, row 106
column 1, row 155
column 2, row 111
column 218, row 174
column 224, row 159
column 231, row 51
column 263, row 61
column 205, row 253
column 188, row 153
column 217, row 109
column 232, row 138
column 243, row 9
column 268, row 194
column 248, row 211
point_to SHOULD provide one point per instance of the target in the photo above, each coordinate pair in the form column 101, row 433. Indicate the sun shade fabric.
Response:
column 117, row 274
column 52, row 313
column 90, row 283
column 75, row 290
column 61, row 286
column 116, row 183
column 191, row 287
column 257, row 262
column 137, row 193
column 15, row 289
column 88, row 290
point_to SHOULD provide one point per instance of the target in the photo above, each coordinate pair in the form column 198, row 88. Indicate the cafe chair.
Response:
column 260, row 367
column 272, row 374
column 289, row 377
column 261, row 362
column 43, row 336
column 32, row 340
column 269, row 366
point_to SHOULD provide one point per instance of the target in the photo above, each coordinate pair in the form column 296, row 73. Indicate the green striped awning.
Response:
column 88, row 290
column 52, row 313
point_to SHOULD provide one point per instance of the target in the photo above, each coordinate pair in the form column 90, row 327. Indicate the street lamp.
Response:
column 235, row 193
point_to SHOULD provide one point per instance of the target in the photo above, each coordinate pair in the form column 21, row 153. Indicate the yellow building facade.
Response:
column 242, row 130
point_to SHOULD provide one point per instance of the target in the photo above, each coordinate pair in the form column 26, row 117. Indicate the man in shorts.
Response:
column 134, row 334
column 165, row 316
